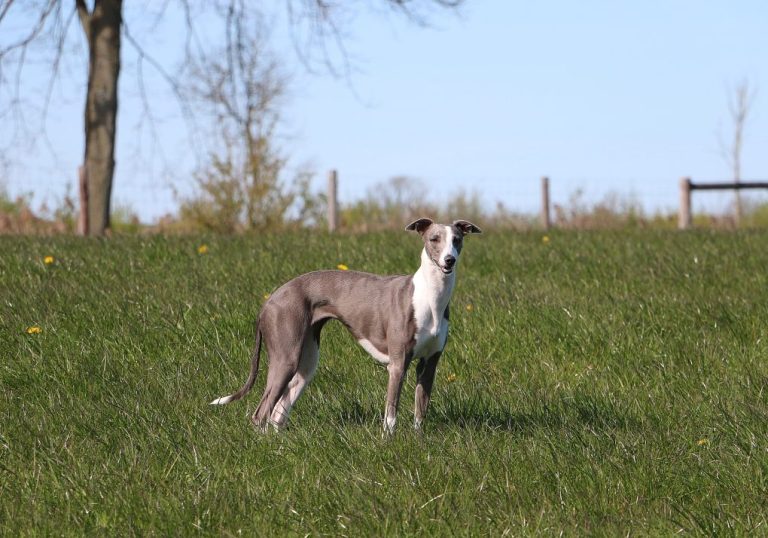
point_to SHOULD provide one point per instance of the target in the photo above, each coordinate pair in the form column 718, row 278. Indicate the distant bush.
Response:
column 613, row 211
column 18, row 217
column 388, row 204
column 755, row 214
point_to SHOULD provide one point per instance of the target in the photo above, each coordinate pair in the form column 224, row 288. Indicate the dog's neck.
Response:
column 432, row 289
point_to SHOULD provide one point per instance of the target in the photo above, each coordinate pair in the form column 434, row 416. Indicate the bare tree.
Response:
column 242, row 86
column 103, row 25
column 739, row 106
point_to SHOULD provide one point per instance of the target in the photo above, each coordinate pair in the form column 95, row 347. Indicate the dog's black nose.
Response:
column 450, row 260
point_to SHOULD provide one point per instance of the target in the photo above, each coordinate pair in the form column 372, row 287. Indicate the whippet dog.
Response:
column 394, row 318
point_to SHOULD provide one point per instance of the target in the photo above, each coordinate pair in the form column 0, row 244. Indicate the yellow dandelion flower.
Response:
column 342, row 267
column 451, row 378
column 266, row 296
column 545, row 239
column 470, row 308
column 702, row 442
column 202, row 249
column 48, row 260
column 34, row 329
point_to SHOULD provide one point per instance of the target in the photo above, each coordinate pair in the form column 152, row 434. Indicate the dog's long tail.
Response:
column 251, row 377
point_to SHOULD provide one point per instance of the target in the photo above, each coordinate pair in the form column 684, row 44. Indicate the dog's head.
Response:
column 443, row 242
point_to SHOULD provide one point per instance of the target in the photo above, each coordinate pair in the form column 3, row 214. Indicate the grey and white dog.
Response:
column 394, row 318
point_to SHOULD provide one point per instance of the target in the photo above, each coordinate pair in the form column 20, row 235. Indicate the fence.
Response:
column 333, row 208
column 687, row 187
column 684, row 213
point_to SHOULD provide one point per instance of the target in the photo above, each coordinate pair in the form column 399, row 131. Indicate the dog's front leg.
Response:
column 397, row 368
column 425, row 376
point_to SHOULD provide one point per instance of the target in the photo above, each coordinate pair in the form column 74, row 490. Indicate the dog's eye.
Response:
column 434, row 239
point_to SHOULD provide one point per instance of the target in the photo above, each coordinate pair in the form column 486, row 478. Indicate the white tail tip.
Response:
column 221, row 401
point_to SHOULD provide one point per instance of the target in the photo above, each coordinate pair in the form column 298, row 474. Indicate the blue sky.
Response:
column 601, row 96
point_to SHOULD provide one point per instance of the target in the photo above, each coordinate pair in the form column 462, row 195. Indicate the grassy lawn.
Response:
column 605, row 383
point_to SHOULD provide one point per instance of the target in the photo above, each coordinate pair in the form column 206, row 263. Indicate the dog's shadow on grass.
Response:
column 573, row 410
column 570, row 410
column 566, row 411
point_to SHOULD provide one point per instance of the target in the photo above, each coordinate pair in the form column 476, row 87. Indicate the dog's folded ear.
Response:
column 420, row 225
column 466, row 227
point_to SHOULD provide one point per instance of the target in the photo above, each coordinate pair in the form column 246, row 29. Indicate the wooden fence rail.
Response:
column 687, row 186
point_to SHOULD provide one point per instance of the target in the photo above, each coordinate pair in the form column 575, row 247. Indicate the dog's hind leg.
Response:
column 283, row 365
column 280, row 373
column 307, row 367
column 284, row 333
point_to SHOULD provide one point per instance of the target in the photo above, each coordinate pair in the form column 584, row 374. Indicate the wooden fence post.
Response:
column 545, row 220
column 82, row 218
column 333, row 213
column 684, row 214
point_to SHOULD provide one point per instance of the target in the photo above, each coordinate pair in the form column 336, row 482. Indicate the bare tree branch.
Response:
column 192, row 35
column 37, row 29
column 56, row 65
column 317, row 30
column 85, row 18
column 4, row 9
column 173, row 84
column 322, row 26
column 739, row 106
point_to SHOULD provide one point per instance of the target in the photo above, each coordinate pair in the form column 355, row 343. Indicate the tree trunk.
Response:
column 102, row 28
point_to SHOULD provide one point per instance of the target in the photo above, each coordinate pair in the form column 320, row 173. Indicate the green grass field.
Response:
column 604, row 383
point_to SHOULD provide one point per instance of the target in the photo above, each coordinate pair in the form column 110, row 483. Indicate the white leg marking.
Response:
column 307, row 368
column 389, row 424
column 283, row 406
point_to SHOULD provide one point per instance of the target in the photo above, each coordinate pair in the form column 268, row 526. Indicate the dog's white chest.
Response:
column 430, row 299
column 430, row 338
